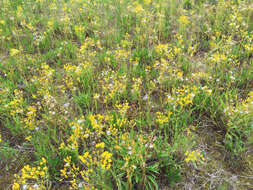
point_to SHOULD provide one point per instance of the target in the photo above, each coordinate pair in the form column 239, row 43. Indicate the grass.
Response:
column 129, row 94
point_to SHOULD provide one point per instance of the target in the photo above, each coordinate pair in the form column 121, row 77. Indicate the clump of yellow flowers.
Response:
column 161, row 118
column 183, row 19
column 113, row 85
column 14, row 52
column 91, row 79
column 33, row 177
column 185, row 95
column 16, row 105
column 194, row 156
column 90, row 164
column 30, row 120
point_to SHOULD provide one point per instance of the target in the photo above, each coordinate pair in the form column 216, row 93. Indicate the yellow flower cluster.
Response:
column 183, row 20
column 126, row 44
column 133, row 150
column 89, row 43
column 46, row 72
column 89, row 48
column 162, row 49
column 121, row 55
column 113, row 85
column 185, row 95
column 105, row 162
column 218, row 58
column 14, row 52
column 16, row 105
column 69, row 83
column 30, row 120
column 244, row 107
column 161, row 118
column 194, row 156
column 39, row 175
column 99, row 125
column 79, row 29
column 79, row 134
column 138, row 9
column 137, row 82
column 96, row 123
column 74, row 73
column 122, row 108
column 43, row 79
column 70, row 172
column 90, row 161
column 100, row 145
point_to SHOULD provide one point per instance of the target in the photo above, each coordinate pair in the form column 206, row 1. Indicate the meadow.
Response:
column 126, row 94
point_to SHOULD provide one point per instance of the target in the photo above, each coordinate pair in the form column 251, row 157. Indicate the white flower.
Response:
column 35, row 186
column 80, row 185
column 80, row 121
column 66, row 105
column 24, row 187
column 231, row 77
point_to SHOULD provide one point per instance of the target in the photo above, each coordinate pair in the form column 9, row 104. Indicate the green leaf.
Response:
column 153, row 181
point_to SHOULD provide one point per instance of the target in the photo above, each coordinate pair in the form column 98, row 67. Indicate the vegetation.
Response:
column 126, row 94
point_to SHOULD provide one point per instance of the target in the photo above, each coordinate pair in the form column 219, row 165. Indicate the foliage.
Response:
column 104, row 94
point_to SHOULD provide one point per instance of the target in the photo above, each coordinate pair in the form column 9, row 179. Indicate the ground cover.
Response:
column 126, row 94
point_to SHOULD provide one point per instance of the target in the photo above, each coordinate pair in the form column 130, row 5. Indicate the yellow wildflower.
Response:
column 147, row 2
column 28, row 138
column 194, row 156
column 184, row 20
column 15, row 186
column 100, row 145
column 14, row 52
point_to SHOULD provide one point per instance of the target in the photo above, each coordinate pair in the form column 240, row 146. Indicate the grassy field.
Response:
column 126, row 94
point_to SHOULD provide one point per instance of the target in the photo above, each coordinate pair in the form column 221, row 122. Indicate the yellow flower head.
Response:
column 184, row 20
column 14, row 52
